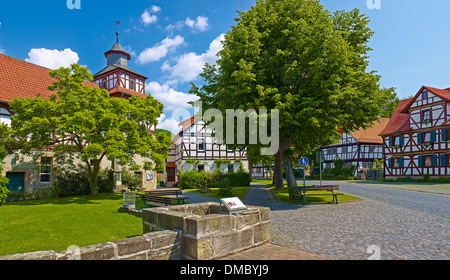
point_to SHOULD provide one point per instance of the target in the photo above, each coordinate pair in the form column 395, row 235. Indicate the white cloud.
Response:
column 190, row 65
column 2, row 51
column 160, row 50
column 171, row 98
column 168, row 124
column 199, row 24
column 148, row 16
column 52, row 59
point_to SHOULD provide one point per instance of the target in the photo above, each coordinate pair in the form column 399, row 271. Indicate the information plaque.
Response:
column 233, row 204
column 129, row 200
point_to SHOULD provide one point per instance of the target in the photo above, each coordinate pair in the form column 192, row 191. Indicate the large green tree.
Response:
column 83, row 122
column 310, row 64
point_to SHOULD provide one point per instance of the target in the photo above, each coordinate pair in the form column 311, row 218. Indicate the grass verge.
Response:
column 57, row 223
column 283, row 195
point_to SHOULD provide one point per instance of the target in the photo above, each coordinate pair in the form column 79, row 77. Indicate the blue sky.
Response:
column 170, row 39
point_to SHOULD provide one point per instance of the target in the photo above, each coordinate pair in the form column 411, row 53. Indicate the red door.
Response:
column 171, row 174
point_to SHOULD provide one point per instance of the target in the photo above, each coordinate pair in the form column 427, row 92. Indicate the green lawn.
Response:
column 55, row 224
column 283, row 195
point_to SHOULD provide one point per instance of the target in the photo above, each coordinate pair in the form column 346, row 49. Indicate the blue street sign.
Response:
column 304, row 161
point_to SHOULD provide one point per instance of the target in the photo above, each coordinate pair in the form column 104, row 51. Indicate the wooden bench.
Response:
column 163, row 197
column 302, row 191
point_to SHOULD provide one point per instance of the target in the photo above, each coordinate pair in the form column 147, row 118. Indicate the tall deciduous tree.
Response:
column 295, row 56
column 85, row 123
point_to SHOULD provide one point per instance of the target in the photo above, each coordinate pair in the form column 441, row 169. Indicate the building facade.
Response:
column 359, row 148
column 416, row 141
column 194, row 148
column 20, row 79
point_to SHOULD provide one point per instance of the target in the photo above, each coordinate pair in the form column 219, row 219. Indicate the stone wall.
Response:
column 206, row 234
column 162, row 245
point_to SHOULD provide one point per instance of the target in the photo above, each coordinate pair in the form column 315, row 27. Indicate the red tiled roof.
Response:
column 19, row 78
column 371, row 134
column 188, row 122
column 399, row 121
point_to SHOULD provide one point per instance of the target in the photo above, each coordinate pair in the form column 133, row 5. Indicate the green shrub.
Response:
column 191, row 179
column 3, row 189
column 203, row 181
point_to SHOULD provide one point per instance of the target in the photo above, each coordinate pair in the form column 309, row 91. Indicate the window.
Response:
column 426, row 115
column 230, row 168
column 201, row 145
column 426, row 137
column 201, row 167
column 344, row 150
column 132, row 84
column 428, row 161
column 424, row 95
column 396, row 162
column 46, row 170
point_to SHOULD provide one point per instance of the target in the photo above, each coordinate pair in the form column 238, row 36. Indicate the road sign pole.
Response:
column 320, row 156
column 304, row 176
column 304, row 162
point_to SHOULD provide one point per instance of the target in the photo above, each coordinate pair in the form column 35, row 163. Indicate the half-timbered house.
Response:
column 20, row 79
column 359, row 148
column 417, row 139
column 194, row 148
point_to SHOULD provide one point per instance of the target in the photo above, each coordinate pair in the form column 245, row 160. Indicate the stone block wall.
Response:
column 206, row 234
column 163, row 245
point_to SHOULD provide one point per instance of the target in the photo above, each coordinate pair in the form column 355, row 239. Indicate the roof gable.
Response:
column 441, row 93
column 399, row 121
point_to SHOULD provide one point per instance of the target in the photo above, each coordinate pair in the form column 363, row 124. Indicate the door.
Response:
column 16, row 184
column 171, row 174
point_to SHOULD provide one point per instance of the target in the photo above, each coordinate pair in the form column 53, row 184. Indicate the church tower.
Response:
column 117, row 78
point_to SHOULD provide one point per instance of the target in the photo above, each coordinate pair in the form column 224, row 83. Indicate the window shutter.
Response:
column 435, row 160
column 443, row 160
column 419, row 137
column 390, row 160
column 433, row 136
column 390, row 141
column 444, row 135
column 402, row 162
column 420, row 161
column 402, row 140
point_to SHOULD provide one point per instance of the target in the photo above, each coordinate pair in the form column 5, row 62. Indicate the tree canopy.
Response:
column 310, row 64
column 83, row 122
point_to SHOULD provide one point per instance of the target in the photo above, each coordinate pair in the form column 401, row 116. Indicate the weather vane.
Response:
column 117, row 29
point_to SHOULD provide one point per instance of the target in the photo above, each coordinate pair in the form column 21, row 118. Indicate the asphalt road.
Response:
column 437, row 205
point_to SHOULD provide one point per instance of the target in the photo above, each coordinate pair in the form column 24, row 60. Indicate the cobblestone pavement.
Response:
column 349, row 230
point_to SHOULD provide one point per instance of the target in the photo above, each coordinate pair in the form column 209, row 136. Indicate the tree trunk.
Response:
column 93, row 178
column 278, row 171
column 289, row 171
column 285, row 145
